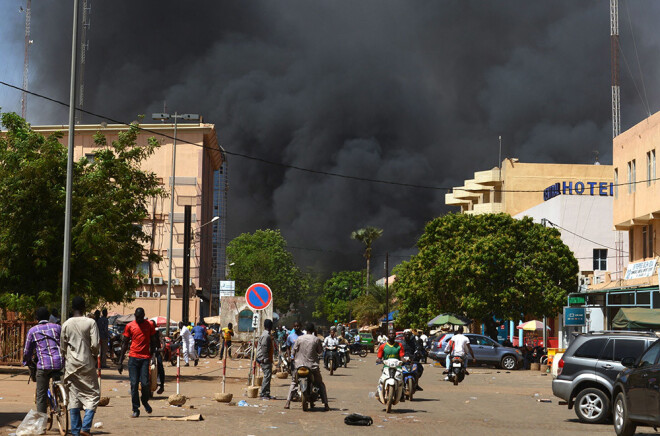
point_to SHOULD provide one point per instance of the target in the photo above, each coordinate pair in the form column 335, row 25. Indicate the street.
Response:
column 490, row 401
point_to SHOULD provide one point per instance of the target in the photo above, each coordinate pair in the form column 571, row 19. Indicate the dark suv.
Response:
column 589, row 367
column 637, row 393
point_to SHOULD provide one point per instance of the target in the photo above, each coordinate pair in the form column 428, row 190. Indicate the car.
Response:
column 636, row 400
column 367, row 339
column 486, row 351
column 588, row 369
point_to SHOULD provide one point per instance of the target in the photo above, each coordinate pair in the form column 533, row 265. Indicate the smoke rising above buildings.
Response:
column 410, row 92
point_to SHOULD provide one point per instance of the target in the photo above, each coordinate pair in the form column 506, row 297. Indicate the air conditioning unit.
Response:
column 158, row 280
column 176, row 282
column 146, row 281
column 146, row 294
column 137, row 294
column 155, row 294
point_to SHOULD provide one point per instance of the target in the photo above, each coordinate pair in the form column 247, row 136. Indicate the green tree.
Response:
column 262, row 257
column 367, row 236
column 110, row 196
column 485, row 266
column 339, row 292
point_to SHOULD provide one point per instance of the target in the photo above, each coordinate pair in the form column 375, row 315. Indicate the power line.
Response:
column 580, row 236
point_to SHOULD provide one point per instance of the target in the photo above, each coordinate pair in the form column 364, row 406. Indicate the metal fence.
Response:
column 12, row 341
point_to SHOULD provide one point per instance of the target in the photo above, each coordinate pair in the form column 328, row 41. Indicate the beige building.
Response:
column 198, row 155
column 519, row 186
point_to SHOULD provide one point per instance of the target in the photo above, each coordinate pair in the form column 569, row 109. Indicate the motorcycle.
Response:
column 331, row 358
column 309, row 393
column 409, row 378
column 344, row 356
column 358, row 349
column 115, row 348
column 210, row 349
column 456, row 370
column 285, row 362
column 170, row 350
column 390, row 384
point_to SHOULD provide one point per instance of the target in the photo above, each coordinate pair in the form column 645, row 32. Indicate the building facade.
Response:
column 198, row 159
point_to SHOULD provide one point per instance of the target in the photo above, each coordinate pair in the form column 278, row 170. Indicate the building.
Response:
column 199, row 158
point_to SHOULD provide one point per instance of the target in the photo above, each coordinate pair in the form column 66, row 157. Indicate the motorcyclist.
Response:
column 330, row 341
column 414, row 350
column 458, row 345
column 305, row 351
column 390, row 349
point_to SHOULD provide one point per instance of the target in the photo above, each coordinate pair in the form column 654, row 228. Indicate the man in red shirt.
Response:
column 142, row 336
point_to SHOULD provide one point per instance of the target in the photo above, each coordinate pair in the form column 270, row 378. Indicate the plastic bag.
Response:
column 33, row 423
column 357, row 419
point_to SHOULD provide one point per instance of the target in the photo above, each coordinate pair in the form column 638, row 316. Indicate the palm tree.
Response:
column 367, row 235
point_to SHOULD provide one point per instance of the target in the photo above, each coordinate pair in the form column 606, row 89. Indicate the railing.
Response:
column 12, row 341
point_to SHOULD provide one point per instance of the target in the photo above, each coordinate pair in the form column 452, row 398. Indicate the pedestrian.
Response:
column 199, row 333
column 227, row 333
column 54, row 316
column 265, row 353
column 102, row 324
column 187, row 344
column 43, row 340
column 142, row 336
column 159, row 359
column 80, row 347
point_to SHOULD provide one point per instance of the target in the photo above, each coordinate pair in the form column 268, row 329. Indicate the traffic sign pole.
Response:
column 258, row 296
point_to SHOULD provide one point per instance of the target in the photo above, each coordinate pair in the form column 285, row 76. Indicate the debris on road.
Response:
column 197, row 417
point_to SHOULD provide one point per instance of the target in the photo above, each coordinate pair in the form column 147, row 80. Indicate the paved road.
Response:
column 490, row 401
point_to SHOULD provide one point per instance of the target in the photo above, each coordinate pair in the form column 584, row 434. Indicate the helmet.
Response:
column 333, row 329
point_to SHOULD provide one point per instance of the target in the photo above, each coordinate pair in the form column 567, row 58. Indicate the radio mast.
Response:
column 616, row 93
column 84, row 45
column 28, row 41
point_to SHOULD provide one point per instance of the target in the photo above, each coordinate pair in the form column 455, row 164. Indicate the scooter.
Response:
column 169, row 351
column 409, row 378
column 309, row 393
column 456, row 370
column 390, row 384
column 331, row 358
column 344, row 355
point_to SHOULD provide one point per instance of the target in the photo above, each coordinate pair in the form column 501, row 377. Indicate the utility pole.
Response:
column 387, row 291
column 187, row 214
column 84, row 45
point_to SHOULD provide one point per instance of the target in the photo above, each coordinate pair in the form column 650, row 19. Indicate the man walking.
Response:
column 227, row 333
column 187, row 344
column 306, row 351
column 44, row 340
column 142, row 335
column 199, row 333
column 265, row 352
column 80, row 347
column 102, row 325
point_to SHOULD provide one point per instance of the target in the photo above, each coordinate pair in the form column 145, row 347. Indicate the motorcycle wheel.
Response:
column 455, row 379
column 410, row 388
column 363, row 352
column 346, row 362
column 213, row 351
column 303, row 398
column 390, row 399
column 173, row 360
column 332, row 366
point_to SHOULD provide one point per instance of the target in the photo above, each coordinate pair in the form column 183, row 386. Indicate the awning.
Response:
column 637, row 318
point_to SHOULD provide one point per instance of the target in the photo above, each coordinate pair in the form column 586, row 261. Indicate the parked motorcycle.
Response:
column 210, row 349
column 344, row 356
column 170, row 350
column 456, row 372
column 390, row 384
column 309, row 393
column 409, row 378
column 358, row 349
column 331, row 358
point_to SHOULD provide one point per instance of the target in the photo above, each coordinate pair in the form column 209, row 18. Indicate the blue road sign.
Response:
column 259, row 296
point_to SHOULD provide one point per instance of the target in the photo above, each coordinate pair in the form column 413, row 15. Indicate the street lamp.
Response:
column 176, row 116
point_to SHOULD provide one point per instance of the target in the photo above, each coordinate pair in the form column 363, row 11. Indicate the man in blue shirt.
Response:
column 199, row 333
column 293, row 335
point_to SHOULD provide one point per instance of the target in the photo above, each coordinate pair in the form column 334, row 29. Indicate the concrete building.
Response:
column 199, row 158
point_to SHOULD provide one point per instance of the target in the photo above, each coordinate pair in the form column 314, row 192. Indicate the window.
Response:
column 600, row 259
column 143, row 268
column 616, row 183
column 608, row 352
column 651, row 356
column 591, row 349
column 644, row 240
column 651, row 244
column 653, row 165
column 629, row 177
column 245, row 321
column 634, row 175
column 628, row 348
column 89, row 157
column 648, row 168
column 631, row 243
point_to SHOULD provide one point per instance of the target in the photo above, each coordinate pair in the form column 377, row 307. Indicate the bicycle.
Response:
column 244, row 351
column 57, row 407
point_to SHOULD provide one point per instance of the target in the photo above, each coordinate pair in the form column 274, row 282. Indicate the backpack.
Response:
column 357, row 419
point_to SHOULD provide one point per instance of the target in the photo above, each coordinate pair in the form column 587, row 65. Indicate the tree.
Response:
column 367, row 236
column 262, row 257
column 339, row 292
column 485, row 266
column 109, row 201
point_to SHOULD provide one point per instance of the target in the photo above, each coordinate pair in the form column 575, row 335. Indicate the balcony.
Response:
column 482, row 208
column 451, row 200
column 489, row 177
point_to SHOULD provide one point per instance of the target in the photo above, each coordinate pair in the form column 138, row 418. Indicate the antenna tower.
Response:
column 616, row 92
column 28, row 41
column 84, row 45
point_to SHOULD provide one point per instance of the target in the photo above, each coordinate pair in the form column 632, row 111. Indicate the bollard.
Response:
column 534, row 367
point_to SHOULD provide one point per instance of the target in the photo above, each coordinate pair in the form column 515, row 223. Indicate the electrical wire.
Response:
column 645, row 101
column 294, row 167
column 580, row 236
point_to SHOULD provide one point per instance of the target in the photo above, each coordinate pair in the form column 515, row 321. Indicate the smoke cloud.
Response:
column 410, row 92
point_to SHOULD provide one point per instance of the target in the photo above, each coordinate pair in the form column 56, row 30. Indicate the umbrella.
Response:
column 447, row 318
column 531, row 326
column 161, row 321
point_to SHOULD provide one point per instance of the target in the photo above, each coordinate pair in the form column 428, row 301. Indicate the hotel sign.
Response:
column 603, row 189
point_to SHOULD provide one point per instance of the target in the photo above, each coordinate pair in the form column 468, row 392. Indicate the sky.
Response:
column 411, row 92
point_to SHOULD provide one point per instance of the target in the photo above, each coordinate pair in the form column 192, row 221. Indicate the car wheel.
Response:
column 509, row 363
column 592, row 406
column 622, row 424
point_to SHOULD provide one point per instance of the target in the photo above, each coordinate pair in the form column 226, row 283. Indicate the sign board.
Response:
column 227, row 293
column 255, row 320
column 258, row 296
column 574, row 316
column 576, row 300
column 602, row 189
column 640, row 269
column 227, row 285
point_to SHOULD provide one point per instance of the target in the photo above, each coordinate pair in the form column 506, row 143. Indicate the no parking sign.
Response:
column 259, row 296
